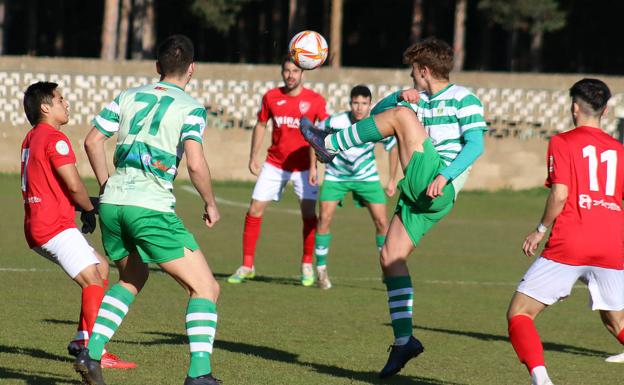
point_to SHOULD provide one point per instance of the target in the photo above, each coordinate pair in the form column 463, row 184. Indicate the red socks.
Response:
column 91, row 299
column 251, row 233
column 526, row 342
column 620, row 336
column 309, row 228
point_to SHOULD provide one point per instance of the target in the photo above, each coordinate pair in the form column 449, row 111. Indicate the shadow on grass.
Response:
column 272, row 354
column 31, row 378
column 30, row 352
column 294, row 281
column 59, row 321
column 551, row 346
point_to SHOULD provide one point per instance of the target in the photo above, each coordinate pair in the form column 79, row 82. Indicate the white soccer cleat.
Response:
column 323, row 278
column 618, row 358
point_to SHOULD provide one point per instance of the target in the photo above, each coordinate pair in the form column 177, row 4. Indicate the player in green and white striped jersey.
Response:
column 156, row 125
column 355, row 171
column 435, row 158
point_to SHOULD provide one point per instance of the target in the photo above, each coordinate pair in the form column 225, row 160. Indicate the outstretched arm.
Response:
column 257, row 136
column 472, row 149
column 554, row 205
column 201, row 179
column 96, row 152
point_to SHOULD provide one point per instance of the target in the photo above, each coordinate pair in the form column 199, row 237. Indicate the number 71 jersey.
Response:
column 152, row 122
column 589, row 229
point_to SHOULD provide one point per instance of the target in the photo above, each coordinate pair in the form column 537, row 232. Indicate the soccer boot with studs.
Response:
column 400, row 355
column 88, row 368
column 316, row 139
column 206, row 379
column 242, row 274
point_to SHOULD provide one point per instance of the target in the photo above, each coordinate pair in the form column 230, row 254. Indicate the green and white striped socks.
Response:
column 112, row 311
column 400, row 302
column 321, row 248
column 201, row 324
column 361, row 132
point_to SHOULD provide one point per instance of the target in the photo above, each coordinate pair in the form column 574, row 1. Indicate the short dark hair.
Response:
column 175, row 54
column 37, row 94
column 288, row 59
column 361, row 90
column 433, row 53
column 591, row 95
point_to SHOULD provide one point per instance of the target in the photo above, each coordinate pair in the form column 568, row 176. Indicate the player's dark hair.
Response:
column 591, row 95
column 174, row 55
column 287, row 59
column 361, row 90
column 433, row 53
column 37, row 94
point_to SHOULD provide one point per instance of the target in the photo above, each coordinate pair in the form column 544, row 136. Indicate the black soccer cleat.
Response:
column 75, row 347
column 206, row 379
column 89, row 369
column 399, row 355
column 316, row 139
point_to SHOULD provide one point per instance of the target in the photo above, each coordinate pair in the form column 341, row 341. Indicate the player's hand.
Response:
column 88, row 221
column 211, row 215
column 531, row 242
column 254, row 166
column 391, row 188
column 313, row 176
column 434, row 189
column 411, row 96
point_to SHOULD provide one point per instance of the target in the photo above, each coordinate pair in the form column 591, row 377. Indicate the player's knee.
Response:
column 89, row 276
column 381, row 225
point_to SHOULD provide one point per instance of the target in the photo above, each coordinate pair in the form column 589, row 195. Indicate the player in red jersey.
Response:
column 288, row 159
column 51, row 188
column 586, row 180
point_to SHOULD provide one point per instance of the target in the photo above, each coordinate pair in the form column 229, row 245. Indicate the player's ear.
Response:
column 45, row 108
column 190, row 70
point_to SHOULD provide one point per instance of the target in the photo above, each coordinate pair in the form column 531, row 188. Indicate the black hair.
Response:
column 361, row 90
column 175, row 54
column 37, row 94
column 591, row 95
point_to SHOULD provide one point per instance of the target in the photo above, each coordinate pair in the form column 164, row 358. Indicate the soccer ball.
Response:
column 308, row 50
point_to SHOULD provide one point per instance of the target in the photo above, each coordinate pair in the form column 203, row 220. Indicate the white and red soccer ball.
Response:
column 308, row 50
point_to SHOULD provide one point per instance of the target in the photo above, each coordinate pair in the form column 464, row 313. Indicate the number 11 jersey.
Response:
column 589, row 229
column 152, row 123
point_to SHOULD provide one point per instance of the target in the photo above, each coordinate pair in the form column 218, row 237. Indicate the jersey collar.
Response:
column 171, row 85
column 441, row 91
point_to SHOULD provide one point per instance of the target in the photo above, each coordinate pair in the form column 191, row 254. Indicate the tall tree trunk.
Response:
column 59, row 36
column 417, row 21
column 2, row 25
column 511, row 52
column 124, row 26
column 109, row 29
column 292, row 18
column 262, row 35
column 243, row 40
column 335, row 45
column 460, row 33
column 537, row 42
column 32, row 27
column 486, row 47
column 149, row 30
column 276, row 21
column 138, row 20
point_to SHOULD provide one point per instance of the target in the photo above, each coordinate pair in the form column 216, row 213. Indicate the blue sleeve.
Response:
column 467, row 156
column 386, row 103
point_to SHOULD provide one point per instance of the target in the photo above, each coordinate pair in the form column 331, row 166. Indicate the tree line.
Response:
column 509, row 35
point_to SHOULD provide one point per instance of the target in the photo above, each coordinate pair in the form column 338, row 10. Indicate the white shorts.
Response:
column 70, row 250
column 272, row 181
column 549, row 281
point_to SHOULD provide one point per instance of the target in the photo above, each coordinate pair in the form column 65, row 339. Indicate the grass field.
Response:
column 274, row 331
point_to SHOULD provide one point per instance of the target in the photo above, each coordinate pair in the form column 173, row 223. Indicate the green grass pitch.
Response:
column 274, row 331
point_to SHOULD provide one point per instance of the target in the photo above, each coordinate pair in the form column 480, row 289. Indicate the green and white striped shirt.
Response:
column 152, row 123
column 356, row 164
column 447, row 115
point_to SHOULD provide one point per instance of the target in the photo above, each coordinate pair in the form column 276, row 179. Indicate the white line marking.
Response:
column 226, row 202
column 337, row 278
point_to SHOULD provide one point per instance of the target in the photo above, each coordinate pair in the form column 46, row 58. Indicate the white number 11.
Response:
column 609, row 156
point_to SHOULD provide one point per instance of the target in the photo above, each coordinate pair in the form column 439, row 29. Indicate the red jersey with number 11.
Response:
column 47, row 204
column 589, row 229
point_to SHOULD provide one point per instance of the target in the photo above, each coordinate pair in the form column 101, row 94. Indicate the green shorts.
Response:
column 418, row 212
column 157, row 236
column 363, row 192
